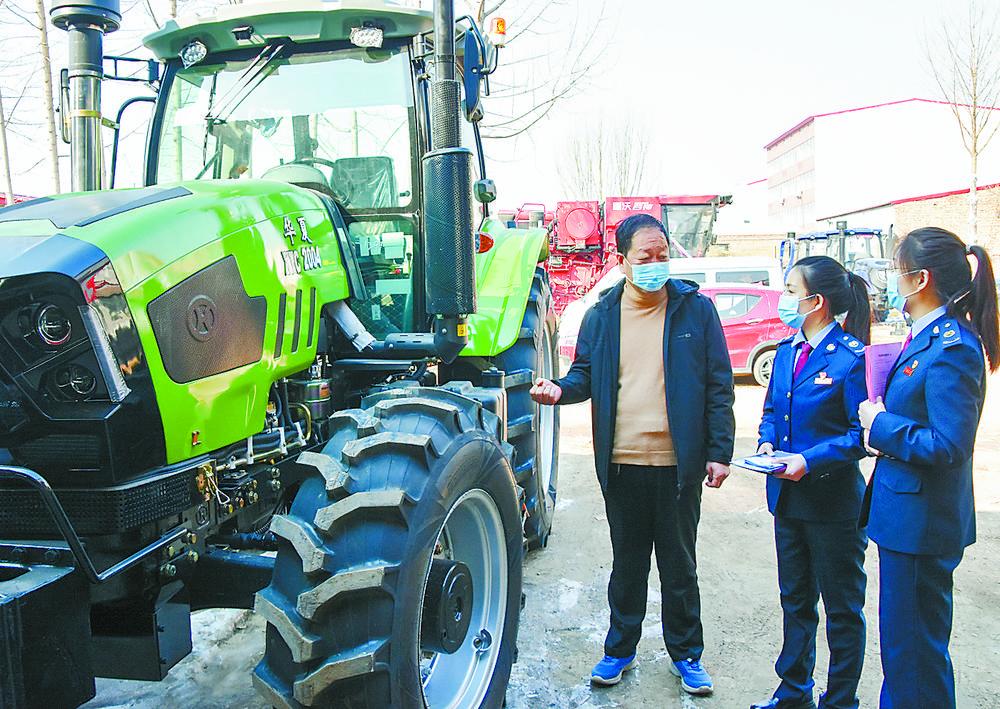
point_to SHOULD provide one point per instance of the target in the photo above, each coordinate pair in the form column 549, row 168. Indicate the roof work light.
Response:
column 368, row 35
column 193, row 52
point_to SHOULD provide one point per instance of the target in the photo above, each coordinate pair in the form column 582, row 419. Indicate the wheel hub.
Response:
column 447, row 607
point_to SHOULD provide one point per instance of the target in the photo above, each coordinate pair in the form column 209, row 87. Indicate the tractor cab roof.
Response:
column 224, row 27
column 857, row 231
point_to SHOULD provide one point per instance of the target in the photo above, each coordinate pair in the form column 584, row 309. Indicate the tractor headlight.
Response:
column 53, row 325
column 74, row 382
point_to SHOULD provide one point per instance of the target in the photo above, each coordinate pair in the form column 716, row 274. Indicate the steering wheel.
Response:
column 343, row 193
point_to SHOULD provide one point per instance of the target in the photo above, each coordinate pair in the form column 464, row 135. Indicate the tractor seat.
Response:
column 300, row 175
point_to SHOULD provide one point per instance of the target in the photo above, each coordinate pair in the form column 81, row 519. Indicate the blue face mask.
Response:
column 788, row 310
column 650, row 277
column 894, row 298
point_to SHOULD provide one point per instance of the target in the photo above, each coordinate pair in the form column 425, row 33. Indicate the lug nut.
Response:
column 276, row 485
column 191, row 538
column 192, row 556
column 171, row 551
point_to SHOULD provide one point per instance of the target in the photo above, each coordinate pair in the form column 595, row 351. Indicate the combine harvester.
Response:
column 582, row 235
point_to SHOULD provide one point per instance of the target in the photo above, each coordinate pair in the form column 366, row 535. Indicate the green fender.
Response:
column 503, row 283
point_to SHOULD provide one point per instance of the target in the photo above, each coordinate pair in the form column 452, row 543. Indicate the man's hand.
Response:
column 717, row 474
column 546, row 393
column 765, row 449
column 795, row 467
column 868, row 410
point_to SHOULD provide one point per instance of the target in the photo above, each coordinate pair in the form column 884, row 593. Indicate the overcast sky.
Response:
column 712, row 81
column 716, row 81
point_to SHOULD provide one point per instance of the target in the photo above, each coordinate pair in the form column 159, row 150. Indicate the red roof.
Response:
column 803, row 123
column 919, row 198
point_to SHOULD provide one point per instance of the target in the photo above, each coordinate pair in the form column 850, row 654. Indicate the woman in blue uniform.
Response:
column 919, row 506
column 810, row 423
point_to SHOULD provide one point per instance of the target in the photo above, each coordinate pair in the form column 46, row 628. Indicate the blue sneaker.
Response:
column 609, row 671
column 694, row 678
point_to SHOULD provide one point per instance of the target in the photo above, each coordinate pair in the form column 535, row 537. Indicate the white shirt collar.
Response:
column 816, row 340
column 921, row 323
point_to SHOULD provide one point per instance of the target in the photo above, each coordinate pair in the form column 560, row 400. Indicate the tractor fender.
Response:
column 504, row 274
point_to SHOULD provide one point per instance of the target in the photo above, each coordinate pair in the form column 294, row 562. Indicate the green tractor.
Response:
column 301, row 336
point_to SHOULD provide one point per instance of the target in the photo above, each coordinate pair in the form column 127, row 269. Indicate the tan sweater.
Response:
column 642, row 432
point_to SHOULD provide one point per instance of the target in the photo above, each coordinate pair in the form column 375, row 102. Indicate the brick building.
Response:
column 949, row 210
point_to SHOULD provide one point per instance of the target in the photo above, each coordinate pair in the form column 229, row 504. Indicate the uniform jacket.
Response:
column 817, row 416
column 698, row 376
column 919, row 500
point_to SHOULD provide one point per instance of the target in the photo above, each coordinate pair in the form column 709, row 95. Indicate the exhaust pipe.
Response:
column 86, row 21
column 450, row 266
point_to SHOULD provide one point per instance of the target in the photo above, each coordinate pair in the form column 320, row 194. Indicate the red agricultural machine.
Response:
column 582, row 234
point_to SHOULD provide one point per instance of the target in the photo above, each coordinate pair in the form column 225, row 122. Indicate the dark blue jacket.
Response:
column 699, row 379
column 817, row 416
column 921, row 491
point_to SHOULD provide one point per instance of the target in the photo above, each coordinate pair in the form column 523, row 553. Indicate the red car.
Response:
column 750, row 321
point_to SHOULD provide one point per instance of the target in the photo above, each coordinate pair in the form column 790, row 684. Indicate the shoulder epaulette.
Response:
column 951, row 333
column 853, row 344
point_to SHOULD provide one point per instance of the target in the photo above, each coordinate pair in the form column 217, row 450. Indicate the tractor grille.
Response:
column 54, row 451
column 99, row 511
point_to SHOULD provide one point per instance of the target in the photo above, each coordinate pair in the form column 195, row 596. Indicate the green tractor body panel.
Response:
column 275, row 246
column 299, row 20
column 503, row 284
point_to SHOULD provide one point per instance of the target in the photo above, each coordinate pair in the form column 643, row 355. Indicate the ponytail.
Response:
column 972, row 301
column 983, row 306
column 845, row 292
column 859, row 316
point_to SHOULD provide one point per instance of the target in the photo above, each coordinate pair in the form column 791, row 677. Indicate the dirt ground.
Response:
column 563, row 625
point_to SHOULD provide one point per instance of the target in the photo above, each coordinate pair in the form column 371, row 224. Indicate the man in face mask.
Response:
column 652, row 358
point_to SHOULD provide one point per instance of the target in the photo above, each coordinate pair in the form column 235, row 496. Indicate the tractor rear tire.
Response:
column 533, row 430
column 414, row 483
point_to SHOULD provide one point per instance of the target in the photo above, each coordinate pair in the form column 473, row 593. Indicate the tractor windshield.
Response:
column 690, row 228
column 340, row 121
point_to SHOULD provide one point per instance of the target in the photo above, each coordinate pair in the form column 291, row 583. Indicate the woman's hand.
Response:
column 795, row 467
column 868, row 410
column 871, row 451
column 765, row 449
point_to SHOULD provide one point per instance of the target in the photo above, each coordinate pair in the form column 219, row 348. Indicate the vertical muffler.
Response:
column 86, row 22
column 450, row 267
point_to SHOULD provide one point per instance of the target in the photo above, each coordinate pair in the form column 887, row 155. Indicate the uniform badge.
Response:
column 831, row 347
column 949, row 333
column 908, row 371
column 823, row 379
column 853, row 343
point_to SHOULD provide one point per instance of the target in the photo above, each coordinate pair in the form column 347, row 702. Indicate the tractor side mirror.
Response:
column 473, row 78
column 64, row 124
column 485, row 191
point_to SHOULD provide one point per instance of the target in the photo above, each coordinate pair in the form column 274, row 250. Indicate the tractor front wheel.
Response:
column 398, row 576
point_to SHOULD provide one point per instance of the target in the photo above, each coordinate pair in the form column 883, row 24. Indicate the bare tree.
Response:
column 605, row 159
column 49, row 106
column 965, row 62
column 5, row 154
column 553, row 48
